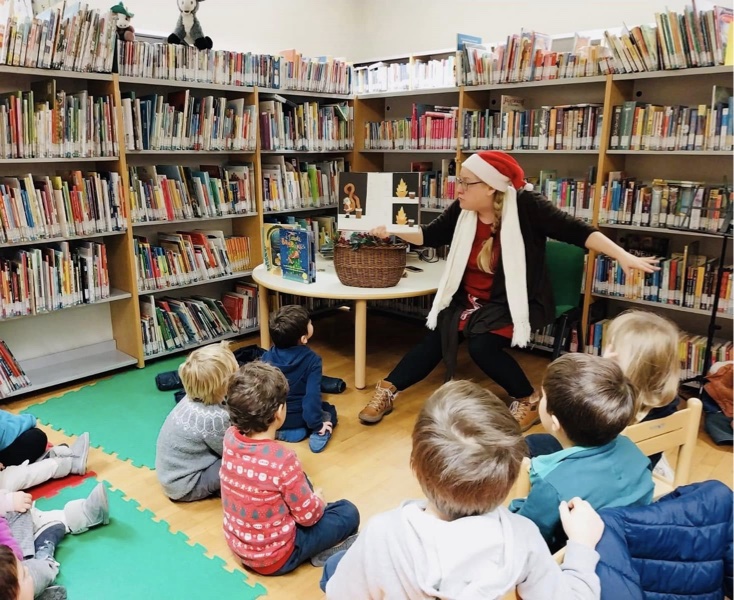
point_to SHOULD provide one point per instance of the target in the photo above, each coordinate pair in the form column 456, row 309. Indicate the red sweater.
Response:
column 264, row 495
column 478, row 284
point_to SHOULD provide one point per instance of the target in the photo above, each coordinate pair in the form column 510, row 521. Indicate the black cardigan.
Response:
column 539, row 220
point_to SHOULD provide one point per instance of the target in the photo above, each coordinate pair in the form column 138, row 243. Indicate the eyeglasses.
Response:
column 464, row 184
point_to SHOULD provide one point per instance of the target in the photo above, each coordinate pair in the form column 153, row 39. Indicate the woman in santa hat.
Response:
column 495, row 289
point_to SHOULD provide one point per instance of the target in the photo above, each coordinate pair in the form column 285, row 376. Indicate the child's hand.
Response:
column 581, row 522
column 22, row 502
column 320, row 494
column 2, row 466
column 327, row 426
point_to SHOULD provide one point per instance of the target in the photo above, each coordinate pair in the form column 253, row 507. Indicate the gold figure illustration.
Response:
column 401, row 218
column 402, row 190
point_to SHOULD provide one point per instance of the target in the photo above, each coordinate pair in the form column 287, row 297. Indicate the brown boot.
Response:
column 381, row 403
column 525, row 411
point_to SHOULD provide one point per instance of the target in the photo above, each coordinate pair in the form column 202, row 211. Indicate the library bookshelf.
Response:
column 67, row 345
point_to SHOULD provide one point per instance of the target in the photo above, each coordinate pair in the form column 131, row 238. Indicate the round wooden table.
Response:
column 328, row 286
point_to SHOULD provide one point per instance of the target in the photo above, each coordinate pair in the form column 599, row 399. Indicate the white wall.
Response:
column 313, row 27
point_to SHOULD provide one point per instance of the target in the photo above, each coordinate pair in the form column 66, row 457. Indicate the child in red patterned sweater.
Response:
column 273, row 519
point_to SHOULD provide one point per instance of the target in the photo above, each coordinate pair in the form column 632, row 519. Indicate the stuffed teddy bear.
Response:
column 188, row 28
column 125, row 31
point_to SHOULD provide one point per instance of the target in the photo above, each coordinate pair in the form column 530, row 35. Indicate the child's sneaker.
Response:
column 320, row 559
column 292, row 436
column 80, row 454
column 317, row 442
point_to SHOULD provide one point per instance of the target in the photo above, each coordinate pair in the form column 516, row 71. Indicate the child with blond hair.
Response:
column 189, row 449
column 461, row 542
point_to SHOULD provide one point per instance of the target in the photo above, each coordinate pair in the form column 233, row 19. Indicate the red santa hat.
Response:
column 503, row 173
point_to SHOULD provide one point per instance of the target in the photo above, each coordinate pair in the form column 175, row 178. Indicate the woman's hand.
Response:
column 380, row 232
column 646, row 264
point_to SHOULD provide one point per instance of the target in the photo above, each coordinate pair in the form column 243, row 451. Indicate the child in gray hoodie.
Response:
column 461, row 542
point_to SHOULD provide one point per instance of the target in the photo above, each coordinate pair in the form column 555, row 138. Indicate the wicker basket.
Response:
column 370, row 266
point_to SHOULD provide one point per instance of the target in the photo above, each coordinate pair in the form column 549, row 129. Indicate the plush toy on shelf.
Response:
column 188, row 28
column 125, row 31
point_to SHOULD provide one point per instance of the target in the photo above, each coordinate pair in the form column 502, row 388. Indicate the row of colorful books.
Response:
column 169, row 192
column 289, row 183
column 575, row 127
column 40, row 280
column 169, row 324
column 182, row 121
column 49, row 123
column 287, row 125
column 436, row 187
column 414, row 75
column 185, row 257
column 35, row 207
column 573, row 195
column 69, row 36
column 288, row 71
column 691, row 205
column 12, row 375
column 638, row 126
column 429, row 127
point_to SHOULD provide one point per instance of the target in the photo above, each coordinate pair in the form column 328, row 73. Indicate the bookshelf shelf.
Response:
column 660, row 230
column 226, row 336
column 673, row 152
column 73, row 238
column 695, row 72
column 72, row 365
column 193, row 85
column 600, row 79
column 142, row 224
column 418, row 151
column 54, row 73
column 305, row 94
column 403, row 93
column 276, row 152
column 115, row 296
column 42, row 161
column 195, row 283
column 692, row 311
column 131, row 153
column 291, row 211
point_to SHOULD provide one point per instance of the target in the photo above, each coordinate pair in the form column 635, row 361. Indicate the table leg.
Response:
column 360, row 343
column 264, row 314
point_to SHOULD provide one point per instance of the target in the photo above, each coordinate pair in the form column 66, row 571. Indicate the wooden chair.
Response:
column 677, row 433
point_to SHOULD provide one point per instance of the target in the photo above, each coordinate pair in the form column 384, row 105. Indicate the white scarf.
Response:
column 513, row 255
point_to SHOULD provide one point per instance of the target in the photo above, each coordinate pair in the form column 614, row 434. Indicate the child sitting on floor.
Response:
column 20, row 439
column 290, row 329
column 587, row 402
column 462, row 543
column 273, row 520
column 28, row 539
column 189, row 449
column 645, row 345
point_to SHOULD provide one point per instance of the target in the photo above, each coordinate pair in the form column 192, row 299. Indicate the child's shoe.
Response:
column 55, row 592
column 320, row 559
column 292, row 436
column 317, row 442
column 81, row 515
column 79, row 454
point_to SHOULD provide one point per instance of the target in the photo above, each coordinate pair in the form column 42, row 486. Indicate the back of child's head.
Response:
column 467, row 450
column 255, row 393
column 288, row 325
column 206, row 372
column 9, row 576
column 590, row 396
column 646, row 347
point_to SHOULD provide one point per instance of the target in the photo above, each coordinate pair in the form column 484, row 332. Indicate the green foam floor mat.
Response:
column 135, row 557
column 123, row 414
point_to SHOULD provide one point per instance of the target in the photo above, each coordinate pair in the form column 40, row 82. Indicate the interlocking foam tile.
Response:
column 123, row 414
column 50, row 488
column 135, row 557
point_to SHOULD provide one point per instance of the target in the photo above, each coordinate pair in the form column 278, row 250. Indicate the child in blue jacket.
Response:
column 20, row 439
column 306, row 414
column 587, row 402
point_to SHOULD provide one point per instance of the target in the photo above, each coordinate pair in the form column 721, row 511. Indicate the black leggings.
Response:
column 487, row 350
column 29, row 445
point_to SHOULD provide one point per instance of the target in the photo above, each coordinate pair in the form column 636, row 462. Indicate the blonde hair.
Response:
column 646, row 347
column 467, row 450
column 206, row 373
column 484, row 260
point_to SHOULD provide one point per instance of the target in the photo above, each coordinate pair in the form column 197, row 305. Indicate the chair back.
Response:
column 565, row 265
column 677, row 433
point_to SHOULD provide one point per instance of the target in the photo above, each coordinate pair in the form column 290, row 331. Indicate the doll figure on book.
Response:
column 125, row 31
column 188, row 29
